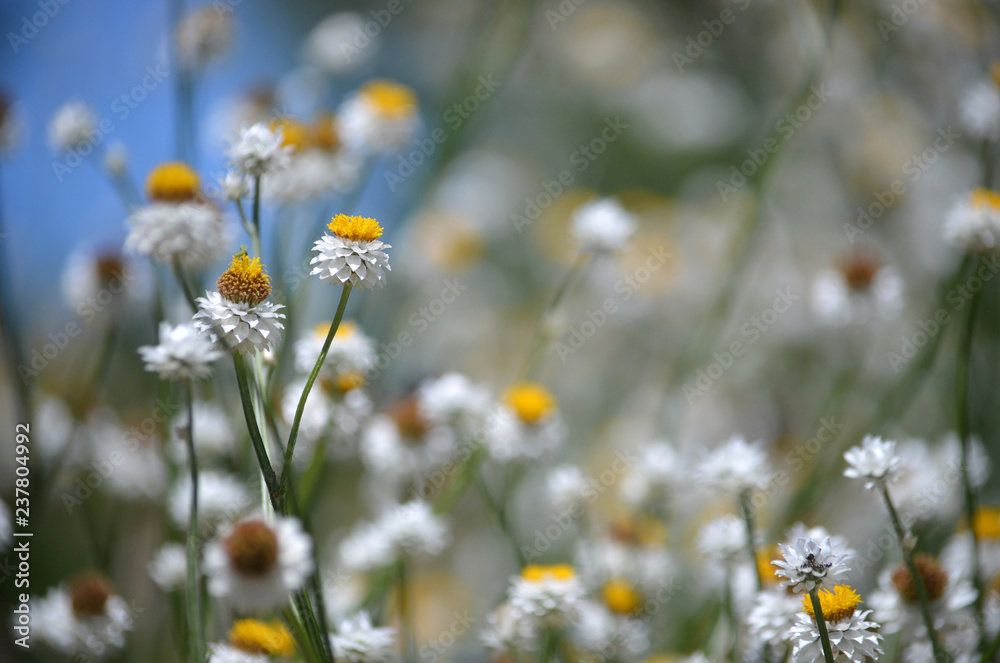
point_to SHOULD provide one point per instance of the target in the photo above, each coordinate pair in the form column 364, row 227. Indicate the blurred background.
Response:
column 790, row 164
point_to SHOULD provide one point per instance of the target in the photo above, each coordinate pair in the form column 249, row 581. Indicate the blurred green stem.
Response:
column 940, row 655
column 195, row 608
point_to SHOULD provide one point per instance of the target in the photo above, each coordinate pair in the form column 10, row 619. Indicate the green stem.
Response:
column 824, row 635
column 406, row 614
column 500, row 513
column 255, row 235
column 188, row 294
column 991, row 651
column 963, row 428
column 542, row 333
column 286, row 470
column 940, row 656
column 195, row 609
column 730, row 612
column 747, row 510
column 267, row 471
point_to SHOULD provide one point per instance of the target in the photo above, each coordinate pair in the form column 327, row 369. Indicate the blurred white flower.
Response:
column 202, row 36
column 875, row 460
column 973, row 222
column 411, row 529
column 169, row 567
column 255, row 565
column 84, row 618
column 380, row 117
column 234, row 185
column 339, row 44
column 351, row 350
column 221, row 497
column 654, row 476
column 258, row 150
column 183, row 354
column 603, row 225
column 190, row 233
column 723, row 539
column 735, row 466
column 979, row 110
column 860, row 291
column 357, row 641
column 565, row 487
column 772, row 615
column 547, row 596
column 72, row 126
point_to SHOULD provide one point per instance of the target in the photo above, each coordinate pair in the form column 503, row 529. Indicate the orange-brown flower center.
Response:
column 252, row 548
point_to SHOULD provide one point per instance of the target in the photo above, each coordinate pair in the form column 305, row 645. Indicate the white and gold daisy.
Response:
column 527, row 426
column 351, row 351
column 183, row 353
column 253, row 641
column 255, row 564
column 853, row 639
column 82, row 618
column 547, row 596
column 352, row 252
column 602, row 226
column 259, row 150
column 380, row 117
column 238, row 312
column 178, row 225
column 973, row 222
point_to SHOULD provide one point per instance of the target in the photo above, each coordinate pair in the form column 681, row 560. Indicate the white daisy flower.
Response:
column 838, row 544
column 72, row 126
column 221, row 498
column 599, row 630
column 723, row 539
column 858, row 291
column 334, row 43
column 605, row 559
column 84, row 618
column 603, row 225
column 548, row 596
column 134, row 455
column 402, row 443
column 259, row 150
column 772, row 615
column 809, row 564
column 352, row 252
column 657, row 472
column 896, row 604
column 357, row 641
column 979, row 110
column 190, row 233
column 183, row 354
column 202, row 36
column 255, row 564
column 238, row 312
column 312, row 173
column 453, row 399
column 852, row 639
column 89, row 275
column 220, row 652
column 527, row 425
column 234, row 185
column 507, row 631
column 407, row 529
column 351, row 350
column 565, row 487
column 735, row 466
column 253, row 641
column 875, row 460
column 973, row 222
column 380, row 117
column 169, row 567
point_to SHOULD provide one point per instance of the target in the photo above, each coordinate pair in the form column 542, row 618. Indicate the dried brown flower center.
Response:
column 406, row 413
column 859, row 271
column 252, row 548
column 934, row 577
column 89, row 595
column 245, row 282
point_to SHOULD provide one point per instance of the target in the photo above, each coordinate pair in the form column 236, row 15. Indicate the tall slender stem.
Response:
column 824, row 634
column 747, row 509
column 406, row 614
column 963, row 429
column 286, row 470
column 267, row 471
column 195, row 608
column 255, row 219
column 940, row 655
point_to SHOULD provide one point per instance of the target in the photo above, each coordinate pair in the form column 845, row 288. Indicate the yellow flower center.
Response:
column 837, row 605
column 987, row 523
column 355, row 228
column 172, row 182
column 325, row 133
column 346, row 329
column 294, row 134
column 768, row 573
column 349, row 381
column 621, row 597
column 543, row 572
column 245, row 282
column 985, row 198
column 531, row 402
column 995, row 73
column 256, row 637
column 389, row 98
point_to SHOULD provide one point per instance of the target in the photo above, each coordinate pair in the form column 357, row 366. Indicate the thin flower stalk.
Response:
column 195, row 606
column 824, row 634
